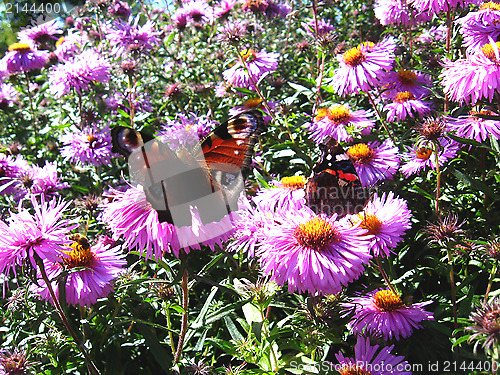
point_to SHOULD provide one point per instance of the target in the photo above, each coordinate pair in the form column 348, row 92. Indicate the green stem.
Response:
column 92, row 369
column 490, row 281
column 185, row 303
column 389, row 133
column 384, row 275
column 170, row 335
column 453, row 289
column 438, row 178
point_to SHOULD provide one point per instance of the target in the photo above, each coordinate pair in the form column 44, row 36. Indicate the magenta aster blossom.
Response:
column 476, row 77
column 275, row 9
column 474, row 127
column 374, row 161
column 224, row 8
column 40, row 181
column 120, row 9
column 26, row 236
column 10, row 170
column 340, row 122
column 398, row 12
column 198, row 11
column 406, row 104
column 435, row 33
column 438, row 6
column 362, row 66
column 249, row 229
column 407, row 80
column 8, row 95
column 386, row 218
column 382, row 312
column 324, row 27
column 141, row 102
column 131, row 217
column 91, row 145
column 40, row 34
column 103, row 264
column 70, row 45
column 79, row 73
column 369, row 360
column 313, row 253
column 185, row 131
column 288, row 194
column 129, row 36
column 257, row 63
column 422, row 157
column 22, row 57
column 481, row 27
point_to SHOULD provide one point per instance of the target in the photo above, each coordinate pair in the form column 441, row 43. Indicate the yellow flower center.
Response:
column 489, row 51
column 387, row 301
column 403, row 96
column 361, row 153
column 315, row 233
column 60, row 41
column 337, row 114
column 81, row 255
column 353, row 370
column 354, row 57
column 407, row 77
column 248, row 55
column 253, row 102
column 473, row 114
column 371, row 223
column 490, row 5
column 20, row 47
column 424, row 153
column 294, row 182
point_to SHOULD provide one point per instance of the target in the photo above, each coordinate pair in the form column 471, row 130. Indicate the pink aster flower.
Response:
column 224, row 8
column 185, row 131
column 257, row 63
column 474, row 127
column 382, row 312
column 386, row 218
column 438, row 6
column 406, row 104
column 118, row 100
column 476, row 77
column 481, row 27
column 433, row 34
column 422, row 157
column 129, row 36
column 40, row 34
column 120, row 9
column 8, row 95
column 288, row 194
column 103, row 264
column 340, row 122
column 91, row 145
column 362, row 66
column 324, row 27
column 26, row 236
column 407, row 80
column 46, row 180
column 398, row 12
column 131, row 217
column 374, row 161
column 313, row 253
column 22, row 57
column 10, row 170
column 79, row 73
column 249, row 229
column 70, row 45
column 275, row 9
column 369, row 359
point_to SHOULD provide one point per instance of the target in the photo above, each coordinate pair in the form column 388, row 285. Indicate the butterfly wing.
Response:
column 228, row 150
column 334, row 186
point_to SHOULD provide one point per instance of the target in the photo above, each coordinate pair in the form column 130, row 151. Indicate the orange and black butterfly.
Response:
column 334, row 186
column 174, row 181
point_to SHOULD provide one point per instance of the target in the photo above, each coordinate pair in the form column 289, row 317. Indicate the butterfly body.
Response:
column 209, row 177
column 334, row 187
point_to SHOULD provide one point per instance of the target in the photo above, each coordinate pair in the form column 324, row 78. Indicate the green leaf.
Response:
column 257, row 330
column 474, row 184
column 233, row 330
column 162, row 356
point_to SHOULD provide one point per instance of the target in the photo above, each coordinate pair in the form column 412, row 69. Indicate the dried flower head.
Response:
column 445, row 230
column 492, row 249
column 14, row 363
column 89, row 203
column 487, row 325
column 233, row 33
column 432, row 129
column 128, row 67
